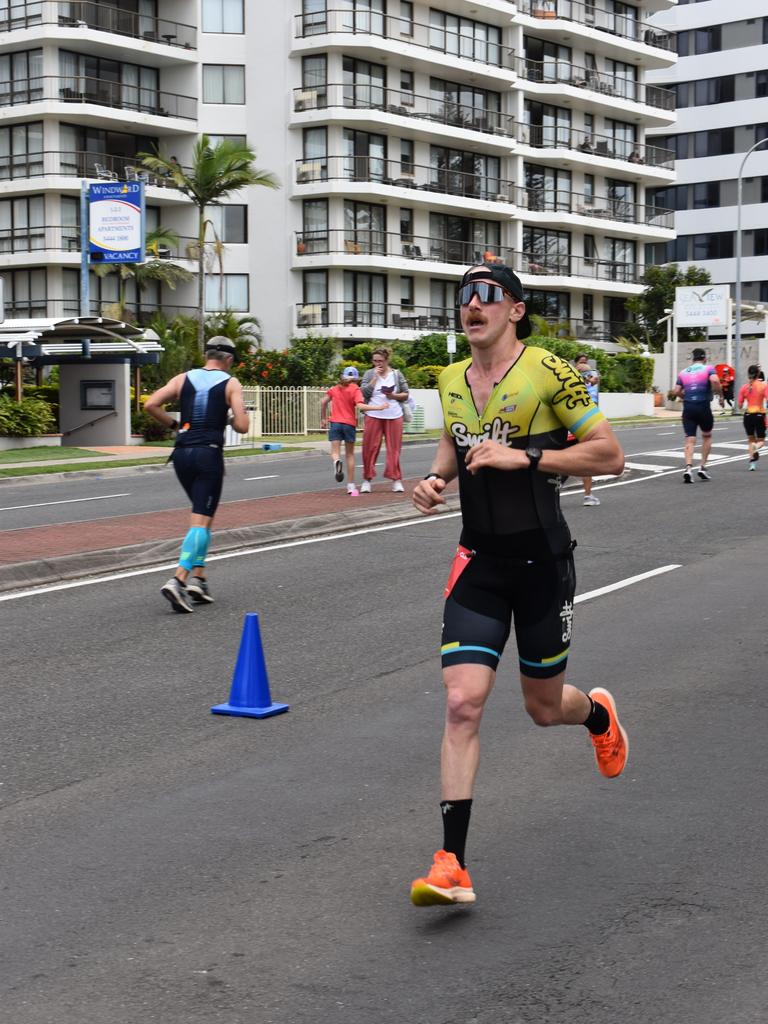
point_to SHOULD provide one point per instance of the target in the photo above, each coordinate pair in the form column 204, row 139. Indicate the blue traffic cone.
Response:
column 249, row 696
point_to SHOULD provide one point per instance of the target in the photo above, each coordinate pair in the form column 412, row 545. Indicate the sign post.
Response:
column 706, row 305
column 450, row 341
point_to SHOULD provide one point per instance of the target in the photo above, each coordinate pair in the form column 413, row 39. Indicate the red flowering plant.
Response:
column 269, row 369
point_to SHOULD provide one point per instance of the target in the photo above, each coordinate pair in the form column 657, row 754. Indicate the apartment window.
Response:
column 622, row 137
column 707, row 40
column 315, row 287
column 406, row 18
column 705, row 194
column 547, row 61
column 406, row 156
column 761, row 83
column 465, row 174
column 714, row 90
column 463, row 240
column 363, row 83
column 314, row 79
column 315, row 225
column 622, row 251
column 590, row 247
column 226, row 291
column 25, row 292
column 588, row 307
column 716, row 142
column 589, row 189
column 549, row 188
column 552, row 305
column 315, row 146
column 549, row 126
column 223, row 83
column 621, row 199
column 365, row 155
column 548, row 251
column 442, row 300
column 463, row 37
column 624, row 78
column 760, row 242
column 363, row 16
column 407, row 99
column 226, row 16
column 109, row 82
column 21, row 150
column 365, row 299
column 22, row 224
column 718, row 245
column 462, row 105
column 70, row 223
column 20, row 77
column 230, row 222
column 406, row 292
column 240, row 140
column 406, row 224
column 625, row 20
column 314, row 17
column 764, row 189
column 365, row 227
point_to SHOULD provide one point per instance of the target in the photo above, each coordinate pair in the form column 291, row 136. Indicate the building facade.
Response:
column 721, row 85
column 411, row 140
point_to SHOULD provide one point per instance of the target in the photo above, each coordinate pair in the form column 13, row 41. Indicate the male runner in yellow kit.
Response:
column 507, row 413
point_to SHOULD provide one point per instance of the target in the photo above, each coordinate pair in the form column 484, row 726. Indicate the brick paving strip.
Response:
column 48, row 554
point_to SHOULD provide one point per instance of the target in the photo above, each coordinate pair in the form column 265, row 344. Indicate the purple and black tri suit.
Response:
column 198, row 457
column 697, row 398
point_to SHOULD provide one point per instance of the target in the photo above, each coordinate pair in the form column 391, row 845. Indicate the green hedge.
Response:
column 28, row 418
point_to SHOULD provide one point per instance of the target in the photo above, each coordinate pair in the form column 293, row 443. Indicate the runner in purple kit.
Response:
column 695, row 385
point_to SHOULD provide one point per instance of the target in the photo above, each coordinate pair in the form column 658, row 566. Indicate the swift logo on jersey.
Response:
column 497, row 430
column 573, row 391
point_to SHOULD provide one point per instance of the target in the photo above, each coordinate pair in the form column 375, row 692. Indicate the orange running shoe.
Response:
column 447, row 882
column 612, row 747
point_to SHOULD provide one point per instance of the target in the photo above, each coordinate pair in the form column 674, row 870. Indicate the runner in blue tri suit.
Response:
column 206, row 398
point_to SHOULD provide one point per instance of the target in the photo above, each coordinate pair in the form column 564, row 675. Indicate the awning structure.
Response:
column 41, row 337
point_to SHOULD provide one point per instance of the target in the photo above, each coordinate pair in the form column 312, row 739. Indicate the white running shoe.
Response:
column 590, row 499
column 398, row 486
column 688, row 475
column 702, row 474
column 365, row 487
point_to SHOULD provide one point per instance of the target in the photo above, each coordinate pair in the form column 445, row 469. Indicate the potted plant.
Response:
column 300, row 246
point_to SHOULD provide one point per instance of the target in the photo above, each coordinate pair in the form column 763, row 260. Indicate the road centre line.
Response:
column 624, row 583
column 64, row 501
column 272, row 476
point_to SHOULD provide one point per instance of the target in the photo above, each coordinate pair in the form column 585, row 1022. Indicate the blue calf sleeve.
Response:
column 194, row 547
column 202, row 548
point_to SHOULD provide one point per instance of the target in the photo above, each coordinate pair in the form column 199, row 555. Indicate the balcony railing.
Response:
column 606, row 208
column 404, row 104
column 392, row 244
column 554, row 264
column 66, row 238
column 40, row 305
column 373, row 314
column 78, row 164
column 403, row 31
column 600, row 18
column 560, row 72
column 604, row 147
column 101, row 17
column 418, row 176
column 76, row 89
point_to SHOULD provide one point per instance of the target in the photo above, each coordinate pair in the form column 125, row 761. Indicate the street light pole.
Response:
column 737, row 331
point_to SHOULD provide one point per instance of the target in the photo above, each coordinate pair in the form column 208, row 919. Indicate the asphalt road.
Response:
column 161, row 864
column 41, row 501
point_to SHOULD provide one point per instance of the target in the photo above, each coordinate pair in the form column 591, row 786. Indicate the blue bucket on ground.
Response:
column 249, row 696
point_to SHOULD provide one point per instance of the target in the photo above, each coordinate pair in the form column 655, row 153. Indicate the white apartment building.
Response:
column 411, row 139
column 721, row 85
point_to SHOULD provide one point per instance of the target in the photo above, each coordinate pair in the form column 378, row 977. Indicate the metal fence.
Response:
column 281, row 411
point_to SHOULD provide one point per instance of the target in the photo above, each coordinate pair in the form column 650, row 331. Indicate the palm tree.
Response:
column 154, row 269
column 244, row 330
column 216, row 172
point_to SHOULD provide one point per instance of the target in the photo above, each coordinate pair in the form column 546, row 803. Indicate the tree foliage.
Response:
column 216, row 173
column 648, row 308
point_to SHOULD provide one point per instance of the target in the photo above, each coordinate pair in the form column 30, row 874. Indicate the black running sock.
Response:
column 455, row 826
column 597, row 721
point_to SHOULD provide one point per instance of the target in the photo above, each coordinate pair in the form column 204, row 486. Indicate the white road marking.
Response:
column 667, row 433
column 643, row 466
column 64, row 501
column 624, row 583
column 272, row 476
column 421, row 520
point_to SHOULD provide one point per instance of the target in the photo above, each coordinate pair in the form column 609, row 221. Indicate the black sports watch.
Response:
column 534, row 454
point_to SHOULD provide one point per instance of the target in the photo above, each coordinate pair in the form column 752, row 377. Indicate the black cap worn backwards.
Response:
column 507, row 278
column 220, row 343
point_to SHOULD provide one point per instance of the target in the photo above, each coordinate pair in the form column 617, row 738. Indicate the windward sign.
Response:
column 116, row 222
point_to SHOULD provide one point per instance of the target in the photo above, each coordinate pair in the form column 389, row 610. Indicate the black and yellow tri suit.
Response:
column 514, row 558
